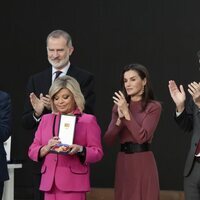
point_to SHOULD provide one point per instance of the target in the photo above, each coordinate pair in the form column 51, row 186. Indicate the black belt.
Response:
column 130, row 147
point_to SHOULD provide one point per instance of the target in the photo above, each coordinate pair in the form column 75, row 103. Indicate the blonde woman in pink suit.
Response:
column 66, row 177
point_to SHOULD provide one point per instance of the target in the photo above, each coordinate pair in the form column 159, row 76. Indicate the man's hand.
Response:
column 37, row 104
column 46, row 101
column 194, row 90
column 178, row 95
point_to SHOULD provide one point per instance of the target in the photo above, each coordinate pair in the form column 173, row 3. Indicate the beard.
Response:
column 60, row 64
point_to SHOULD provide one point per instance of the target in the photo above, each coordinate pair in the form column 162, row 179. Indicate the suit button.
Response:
column 195, row 144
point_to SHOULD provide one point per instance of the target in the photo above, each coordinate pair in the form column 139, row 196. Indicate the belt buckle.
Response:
column 128, row 149
column 125, row 149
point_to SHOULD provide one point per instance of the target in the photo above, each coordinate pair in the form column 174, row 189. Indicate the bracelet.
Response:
column 80, row 150
column 47, row 149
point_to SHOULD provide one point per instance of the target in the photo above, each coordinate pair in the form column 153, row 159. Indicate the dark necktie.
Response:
column 57, row 74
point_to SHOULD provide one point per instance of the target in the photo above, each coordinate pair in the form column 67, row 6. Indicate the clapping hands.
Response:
column 40, row 103
column 120, row 101
column 178, row 94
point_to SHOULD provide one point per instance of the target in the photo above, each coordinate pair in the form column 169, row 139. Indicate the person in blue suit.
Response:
column 5, row 132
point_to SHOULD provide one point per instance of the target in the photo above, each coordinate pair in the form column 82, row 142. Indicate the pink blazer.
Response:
column 67, row 171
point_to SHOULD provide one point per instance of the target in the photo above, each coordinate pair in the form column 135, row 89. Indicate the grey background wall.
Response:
column 162, row 35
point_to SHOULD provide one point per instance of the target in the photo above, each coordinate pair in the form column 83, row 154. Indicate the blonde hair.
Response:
column 71, row 84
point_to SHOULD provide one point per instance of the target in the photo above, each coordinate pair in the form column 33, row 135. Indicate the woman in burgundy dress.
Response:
column 135, row 116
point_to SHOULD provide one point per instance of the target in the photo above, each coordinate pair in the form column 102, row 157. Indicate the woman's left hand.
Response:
column 74, row 149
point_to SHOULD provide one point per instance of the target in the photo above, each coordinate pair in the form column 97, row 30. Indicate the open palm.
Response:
column 177, row 94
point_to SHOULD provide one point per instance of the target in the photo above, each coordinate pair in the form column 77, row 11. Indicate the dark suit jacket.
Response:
column 5, row 132
column 189, row 121
column 41, row 82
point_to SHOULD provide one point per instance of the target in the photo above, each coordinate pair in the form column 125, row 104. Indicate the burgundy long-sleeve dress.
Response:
column 136, row 175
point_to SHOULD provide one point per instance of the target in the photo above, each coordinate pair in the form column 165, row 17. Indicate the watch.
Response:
column 80, row 150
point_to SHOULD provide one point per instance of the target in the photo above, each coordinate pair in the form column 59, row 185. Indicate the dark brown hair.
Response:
column 142, row 71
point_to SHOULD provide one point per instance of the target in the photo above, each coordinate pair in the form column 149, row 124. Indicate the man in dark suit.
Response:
column 5, row 132
column 37, row 103
column 188, row 118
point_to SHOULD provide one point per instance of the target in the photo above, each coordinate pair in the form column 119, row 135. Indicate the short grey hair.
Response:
column 71, row 84
column 60, row 33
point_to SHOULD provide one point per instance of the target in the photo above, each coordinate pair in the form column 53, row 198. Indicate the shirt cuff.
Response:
column 178, row 113
column 37, row 119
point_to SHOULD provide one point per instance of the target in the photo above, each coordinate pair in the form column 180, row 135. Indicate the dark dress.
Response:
column 136, row 175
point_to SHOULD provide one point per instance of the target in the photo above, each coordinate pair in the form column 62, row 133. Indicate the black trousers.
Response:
column 1, row 189
column 192, row 183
